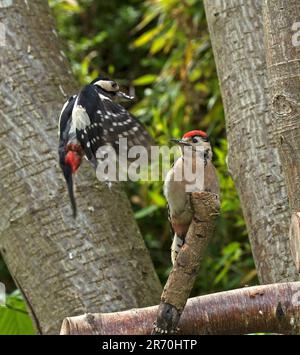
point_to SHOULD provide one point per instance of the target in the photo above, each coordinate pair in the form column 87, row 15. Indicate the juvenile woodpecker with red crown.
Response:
column 177, row 191
column 92, row 119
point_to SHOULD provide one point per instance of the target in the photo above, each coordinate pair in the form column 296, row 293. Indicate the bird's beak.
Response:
column 124, row 96
column 179, row 141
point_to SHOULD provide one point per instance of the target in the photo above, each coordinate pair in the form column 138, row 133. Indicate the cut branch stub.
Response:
column 294, row 236
column 206, row 207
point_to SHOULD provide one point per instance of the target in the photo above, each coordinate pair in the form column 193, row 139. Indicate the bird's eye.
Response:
column 195, row 140
column 114, row 86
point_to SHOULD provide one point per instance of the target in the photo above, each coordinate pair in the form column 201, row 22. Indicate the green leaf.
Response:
column 147, row 36
column 158, row 44
column 144, row 80
column 14, row 318
column 147, row 19
column 144, row 212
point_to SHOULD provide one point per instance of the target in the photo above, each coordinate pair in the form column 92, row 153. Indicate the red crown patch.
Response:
column 195, row 133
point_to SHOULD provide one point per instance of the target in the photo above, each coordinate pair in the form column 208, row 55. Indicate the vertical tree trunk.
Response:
column 283, row 64
column 236, row 30
column 97, row 263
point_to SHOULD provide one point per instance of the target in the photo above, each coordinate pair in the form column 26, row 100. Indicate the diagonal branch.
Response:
column 181, row 280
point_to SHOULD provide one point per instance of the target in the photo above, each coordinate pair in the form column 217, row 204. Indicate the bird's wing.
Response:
column 64, row 122
column 63, row 133
column 65, row 116
column 106, row 122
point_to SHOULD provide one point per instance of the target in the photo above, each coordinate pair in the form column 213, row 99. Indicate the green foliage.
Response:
column 97, row 37
column 14, row 318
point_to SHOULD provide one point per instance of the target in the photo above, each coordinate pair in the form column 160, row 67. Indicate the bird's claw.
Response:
column 160, row 331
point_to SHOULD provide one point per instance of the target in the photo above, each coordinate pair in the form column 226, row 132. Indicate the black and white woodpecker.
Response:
column 177, row 191
column 92, row 119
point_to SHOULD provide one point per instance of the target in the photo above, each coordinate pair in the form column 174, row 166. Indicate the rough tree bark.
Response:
column 283, row 64
column 236, row 30
column 63, row 267
column 270, row 308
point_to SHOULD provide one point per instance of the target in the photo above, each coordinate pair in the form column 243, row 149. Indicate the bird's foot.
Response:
column 160, row 331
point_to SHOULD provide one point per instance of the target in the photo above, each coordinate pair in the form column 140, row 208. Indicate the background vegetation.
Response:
column 160, row 51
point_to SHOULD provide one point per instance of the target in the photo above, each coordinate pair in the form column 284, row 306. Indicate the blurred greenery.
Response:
column 14, row 318
column 160, row 51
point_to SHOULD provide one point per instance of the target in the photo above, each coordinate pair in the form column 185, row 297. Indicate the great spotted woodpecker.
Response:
column 177, row 191
column 90, row 120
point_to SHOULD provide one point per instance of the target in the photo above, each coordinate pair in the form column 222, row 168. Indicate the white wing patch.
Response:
column 103, row 97
column 61, row 112
column 80, row 118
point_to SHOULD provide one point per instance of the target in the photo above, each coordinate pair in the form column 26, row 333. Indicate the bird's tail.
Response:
column 176, row 246
column 71, row 195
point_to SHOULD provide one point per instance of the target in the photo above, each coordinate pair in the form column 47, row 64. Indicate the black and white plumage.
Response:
column 91, row 120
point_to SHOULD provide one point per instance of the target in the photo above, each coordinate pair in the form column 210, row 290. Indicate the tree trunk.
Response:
column 236, row 31
column 63, row 267
column 283, row 64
